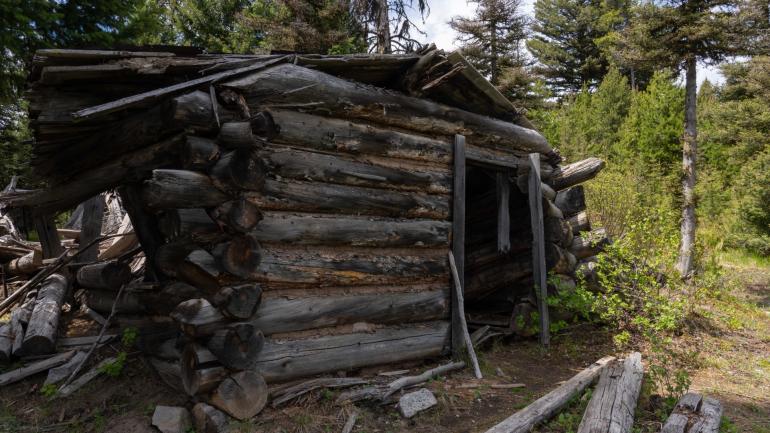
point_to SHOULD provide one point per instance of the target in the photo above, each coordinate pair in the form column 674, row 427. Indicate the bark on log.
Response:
column 590, row 244
column 241, row 169
column 575, row 173
column 237, row 345
column 240, row 216
column 242, row 395
column 40, row 337
column 105, row 275
column 317, row 266
column 613, row 402
column 170, row 189
column 297, row 85
column 306, row 229
column 283, row 361
column 199, row 153
column 239, row 302
column 579, row 223
column 547, row 406
column 337, row 169
column 236, row 135
column 571, row 200
column 343, row 199
column 25, row 265
column 201, row 372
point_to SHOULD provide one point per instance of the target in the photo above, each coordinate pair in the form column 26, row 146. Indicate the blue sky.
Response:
column 439, row 32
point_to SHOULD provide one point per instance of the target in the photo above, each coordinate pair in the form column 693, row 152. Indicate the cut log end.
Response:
column 242, row 395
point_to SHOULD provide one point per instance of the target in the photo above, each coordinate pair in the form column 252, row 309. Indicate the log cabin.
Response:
column 296, row 212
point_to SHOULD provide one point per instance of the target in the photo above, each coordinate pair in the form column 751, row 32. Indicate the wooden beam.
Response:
column 503, row 214
column 91, row 228
column 145, row 226
column 613, row 403
column 538, row 246
column 49, row 237
column 458, row 237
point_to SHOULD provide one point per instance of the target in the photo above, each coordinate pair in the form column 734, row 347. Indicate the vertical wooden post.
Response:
column 145, row 226
column 503, row 213
column 49, row 237
column 538, row 246
column 91, row 227
column 458, row 239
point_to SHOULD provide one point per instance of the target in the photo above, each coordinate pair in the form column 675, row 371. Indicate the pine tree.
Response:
column 564, row 42
column 678, row 34
column 492, row 39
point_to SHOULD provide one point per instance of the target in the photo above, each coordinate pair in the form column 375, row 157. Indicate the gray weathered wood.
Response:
column 538, row 247
column 458, row 238
column 309, row 229
column 199, row 153
column 291, row 84
column 550, row 404
column 589, row 244
column 200, row 370
column 281, row 361
column 237, row 345
column 503, row 188
column 91, row 228
column 579, row 223
column 34, row 368
column 709, row 417
column 613, row 402
column 40, row 337
column 242, row 395
column 27, row 264
column 576, row 173
column 679, row 419
column 49, row 237
column 343, row 199
column 145, row 226
column 460, row 302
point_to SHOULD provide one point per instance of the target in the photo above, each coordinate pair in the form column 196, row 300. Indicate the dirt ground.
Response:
column 732, row 334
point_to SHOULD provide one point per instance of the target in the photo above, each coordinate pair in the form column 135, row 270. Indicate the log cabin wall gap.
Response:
column 301, row 207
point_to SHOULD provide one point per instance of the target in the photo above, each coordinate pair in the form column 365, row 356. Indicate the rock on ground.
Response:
column 171, row 419
column 417, row 401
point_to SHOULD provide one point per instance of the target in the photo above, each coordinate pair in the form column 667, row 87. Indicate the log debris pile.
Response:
column 294, row 212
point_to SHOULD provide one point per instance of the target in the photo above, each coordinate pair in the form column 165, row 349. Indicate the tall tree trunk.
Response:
column 383, row 28
column 689, row 153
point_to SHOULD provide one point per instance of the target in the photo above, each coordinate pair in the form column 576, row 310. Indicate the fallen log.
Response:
column 6, row 342
column 81, row 381
column 694, row 414
column 28, row 264
column 286, row 360
column 382, row 393
column 575, row 173
column 547, row 406
column 40, row 336
column 104, row 275
column 34, row 368
column 242, row 395
column 613, row 402
column 19, row 320
column 173, row 189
